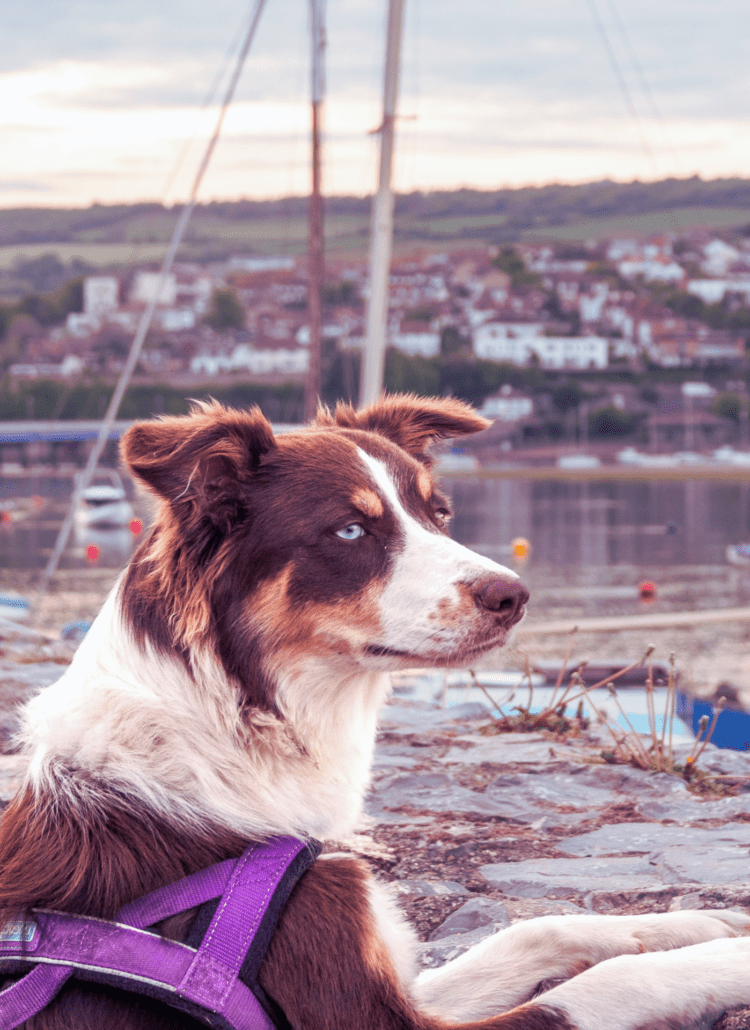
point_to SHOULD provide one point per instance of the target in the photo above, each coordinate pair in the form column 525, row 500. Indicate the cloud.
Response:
column 503, row 93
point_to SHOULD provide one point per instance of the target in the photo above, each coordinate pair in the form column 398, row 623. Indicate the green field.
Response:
column 655, row 222
column 108, row 236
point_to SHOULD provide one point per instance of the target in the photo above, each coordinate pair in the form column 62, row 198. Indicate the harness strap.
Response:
column 252, row 891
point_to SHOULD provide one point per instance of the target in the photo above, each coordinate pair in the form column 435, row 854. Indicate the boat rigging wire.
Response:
column 615, row 65
column 148, row 314
column 647, row 91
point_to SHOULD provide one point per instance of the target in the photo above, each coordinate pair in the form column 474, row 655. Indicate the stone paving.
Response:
column 572, row 833
column 614, row 838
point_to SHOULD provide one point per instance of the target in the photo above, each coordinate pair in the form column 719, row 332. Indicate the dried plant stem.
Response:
column 635, row 736
column 658, row 757
column 563, row 667
column 628, row 668
column 671, row 699
column 702, row 724
column 564, row 700
column 491, row 700
column 718, row 709
column 531, row 685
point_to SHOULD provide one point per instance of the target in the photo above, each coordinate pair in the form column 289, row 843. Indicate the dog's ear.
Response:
column 203, row 460
column 412, row 423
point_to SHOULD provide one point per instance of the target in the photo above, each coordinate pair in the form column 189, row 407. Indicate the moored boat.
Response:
column 732, row 729
column 738, row 554
column 104, row 503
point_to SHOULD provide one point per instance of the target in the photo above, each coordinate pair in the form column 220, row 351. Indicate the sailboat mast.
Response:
column 315, row 218
column 381, row 232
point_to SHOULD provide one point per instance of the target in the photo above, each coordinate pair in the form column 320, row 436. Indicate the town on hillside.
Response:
column 608, row 341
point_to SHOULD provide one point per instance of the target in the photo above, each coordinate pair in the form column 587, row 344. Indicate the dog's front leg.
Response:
column 682, row 988
column 506, row 969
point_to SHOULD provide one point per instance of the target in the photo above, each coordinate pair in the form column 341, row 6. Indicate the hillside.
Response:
column 123, row 234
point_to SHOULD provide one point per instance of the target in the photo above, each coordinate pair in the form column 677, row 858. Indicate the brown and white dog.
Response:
column 229, row 690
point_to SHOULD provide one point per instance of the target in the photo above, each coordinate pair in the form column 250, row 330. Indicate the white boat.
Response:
column 738, row 554
column 578, row 461
column 451, row 462
column 104, row 503
column 729, row 456
column 13, row 606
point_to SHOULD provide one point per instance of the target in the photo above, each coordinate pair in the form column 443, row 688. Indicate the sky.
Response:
column 109, row 103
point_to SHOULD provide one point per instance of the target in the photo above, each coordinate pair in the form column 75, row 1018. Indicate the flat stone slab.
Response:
column 419, row 718
column 648, row 838
column 560, row 877
column 504, row 748
column 438, row 792
column 426, row 888
column 479, row 911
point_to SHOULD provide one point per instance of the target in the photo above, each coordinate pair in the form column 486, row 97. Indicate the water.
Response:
column 32, row 509
column 593, row 543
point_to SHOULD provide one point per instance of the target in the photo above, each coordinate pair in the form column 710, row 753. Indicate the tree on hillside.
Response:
column 226, row 311
column 511, row 262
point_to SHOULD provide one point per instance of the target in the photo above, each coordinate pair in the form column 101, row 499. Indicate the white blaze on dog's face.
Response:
column 325, row 546
column 441, row 603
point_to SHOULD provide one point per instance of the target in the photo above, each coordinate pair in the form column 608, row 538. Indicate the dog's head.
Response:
column 328, row 544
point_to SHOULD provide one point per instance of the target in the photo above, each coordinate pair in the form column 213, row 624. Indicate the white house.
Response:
column 711, row 291
column 571, row 351
column 718, row 257
column 262, row 264
column 80, row 324
column 172, row 320
column 591, row 305
column 426, row 344
column 505, row 341
column 100, row 295
column 652, row 270
column 146, row 284
column 245, row 358
column 507, row 405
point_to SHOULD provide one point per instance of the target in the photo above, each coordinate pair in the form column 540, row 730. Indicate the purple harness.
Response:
column 214, row 980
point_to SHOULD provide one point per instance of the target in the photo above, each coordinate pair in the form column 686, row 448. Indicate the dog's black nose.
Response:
column 499, row 594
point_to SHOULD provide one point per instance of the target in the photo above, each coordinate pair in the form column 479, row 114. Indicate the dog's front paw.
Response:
column 668, row 930
column 680, row 987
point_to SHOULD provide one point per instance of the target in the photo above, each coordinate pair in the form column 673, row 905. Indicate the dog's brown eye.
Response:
column 351, row 532
column 442, row 515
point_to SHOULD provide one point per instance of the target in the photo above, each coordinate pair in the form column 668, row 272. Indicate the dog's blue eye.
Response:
column 351, row 532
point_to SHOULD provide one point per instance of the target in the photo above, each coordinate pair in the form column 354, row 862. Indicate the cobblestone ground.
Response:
column 476, row 829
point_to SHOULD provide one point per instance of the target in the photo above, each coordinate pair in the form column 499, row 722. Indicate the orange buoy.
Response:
column 93, row 552
column 521, row 548
column 647, row 590
column 136, row 527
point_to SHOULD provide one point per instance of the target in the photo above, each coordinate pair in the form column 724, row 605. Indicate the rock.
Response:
column 438, row 792
column 426, row 888
column 561, row 877
column 475, row 913
column 646, row 838
column 416, row 718
column 437, row 953
column 506, row 748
